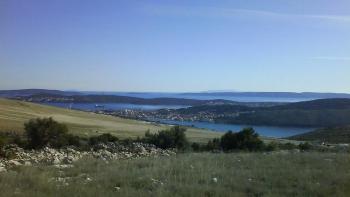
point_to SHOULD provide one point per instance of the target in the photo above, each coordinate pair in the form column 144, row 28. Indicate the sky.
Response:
column 175, row 46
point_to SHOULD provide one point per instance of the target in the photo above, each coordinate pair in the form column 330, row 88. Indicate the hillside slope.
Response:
column 14, row 113
column 316, row 113
column 330, row 135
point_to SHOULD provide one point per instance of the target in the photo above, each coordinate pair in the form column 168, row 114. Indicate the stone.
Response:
column 109, row 151
column 14, row 163
column 3, row 169
column 56, row 161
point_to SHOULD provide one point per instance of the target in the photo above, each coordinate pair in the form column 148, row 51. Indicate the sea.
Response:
column 268, row 131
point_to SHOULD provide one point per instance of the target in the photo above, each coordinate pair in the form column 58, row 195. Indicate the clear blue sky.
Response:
column 272, row 45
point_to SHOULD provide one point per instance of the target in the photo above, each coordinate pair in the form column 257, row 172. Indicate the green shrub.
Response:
column 272, row 146
column 195, row 147
column 20, row 141
column 288, row 146
column 73, row 140
column 175, row 137
column 2, row 142
column 104, row 138
column 304, row 146
column 247, row 139
column 46, row 132
column 12, row 138
column 213, row 145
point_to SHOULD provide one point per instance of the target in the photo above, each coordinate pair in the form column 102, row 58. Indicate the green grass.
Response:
column 14, row 113
column 238, row 174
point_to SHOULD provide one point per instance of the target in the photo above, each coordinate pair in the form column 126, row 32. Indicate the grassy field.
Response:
column 190, row 174
column 14, row 113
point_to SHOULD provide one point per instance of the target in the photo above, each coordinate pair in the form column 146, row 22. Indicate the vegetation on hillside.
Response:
column 317, row 113
column 45, row 97
column 43, row 132
column 327, row 135
column 13, row 115
column 286, row 117
column 247, row 139
column 175, row 137
column 46, row 132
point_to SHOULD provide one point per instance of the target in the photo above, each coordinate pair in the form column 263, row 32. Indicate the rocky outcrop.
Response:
column 12, row 155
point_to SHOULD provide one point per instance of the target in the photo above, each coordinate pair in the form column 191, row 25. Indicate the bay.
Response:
column 267, row 131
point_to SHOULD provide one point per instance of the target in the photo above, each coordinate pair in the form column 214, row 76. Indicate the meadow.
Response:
column 189, row 174
column 13, row 114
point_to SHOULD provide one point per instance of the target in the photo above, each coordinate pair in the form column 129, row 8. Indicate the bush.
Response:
column 288, row 146
column 272, row 146
column 195, row 147
column 175, row 137
column 304, row 146
column 247, row 139
column 104, row 138
column 46, row 132
column 213, row 145
column 2, row 142
column 73, row 140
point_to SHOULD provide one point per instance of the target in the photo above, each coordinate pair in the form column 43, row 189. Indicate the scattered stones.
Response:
column 62, row 166
column 63, row 158
column 3, row 169
column 13, row 163
column 155, row 181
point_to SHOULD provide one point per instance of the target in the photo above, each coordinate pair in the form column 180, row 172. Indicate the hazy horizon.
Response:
column 173, row 92
column 182, row 46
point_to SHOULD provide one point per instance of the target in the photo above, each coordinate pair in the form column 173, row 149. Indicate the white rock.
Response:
column 14, row 163
column 56, row 161
column 2, row 169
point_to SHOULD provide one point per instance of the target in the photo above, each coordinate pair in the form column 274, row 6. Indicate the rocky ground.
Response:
column 12, row 155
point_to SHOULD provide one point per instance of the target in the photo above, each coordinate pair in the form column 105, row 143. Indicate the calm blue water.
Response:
column 267, row 131
column 112, row 106
column 208, row 97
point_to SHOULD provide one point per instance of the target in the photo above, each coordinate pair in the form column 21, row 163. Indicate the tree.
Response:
column 247, row 139
column 175, row 137
column 46, row 132
column 104, row 138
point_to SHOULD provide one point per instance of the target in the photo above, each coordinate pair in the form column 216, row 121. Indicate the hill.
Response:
column 319, row 104
column 14, row 113
column 29, row 92
column 300, row 95
column 316, row 113
column 330, row 135
column 45, row 97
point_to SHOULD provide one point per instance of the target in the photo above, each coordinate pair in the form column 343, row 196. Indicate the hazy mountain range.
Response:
column 188, row 95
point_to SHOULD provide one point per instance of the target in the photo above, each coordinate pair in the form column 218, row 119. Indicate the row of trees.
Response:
column 43, row 132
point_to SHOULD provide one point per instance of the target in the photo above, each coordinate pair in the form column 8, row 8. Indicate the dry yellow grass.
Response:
column 13, row 114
